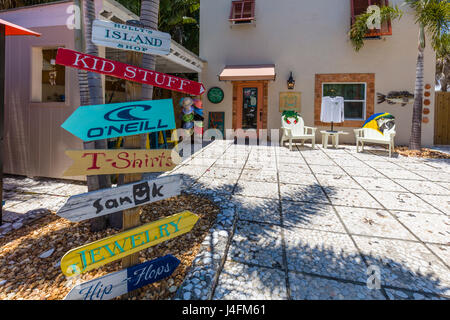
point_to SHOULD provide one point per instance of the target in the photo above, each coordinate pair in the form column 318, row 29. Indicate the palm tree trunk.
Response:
column 149, row 18
column 416, row 129
column 91, row 92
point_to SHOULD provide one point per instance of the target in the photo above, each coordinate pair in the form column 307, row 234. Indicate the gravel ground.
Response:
column 30, row 256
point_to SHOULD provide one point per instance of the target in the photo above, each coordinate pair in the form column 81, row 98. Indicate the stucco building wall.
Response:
column 309, row 38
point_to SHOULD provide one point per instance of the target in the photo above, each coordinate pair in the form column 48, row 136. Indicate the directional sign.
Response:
column 120, row 119
column 126, row 37
column 94, row 162
column 118, row 283
column 106, row 201
column 101, row 252
column 74, row 59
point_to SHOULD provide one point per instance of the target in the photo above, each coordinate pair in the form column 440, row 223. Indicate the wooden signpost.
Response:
column 124, row 281
column 106, row 201
column 132, row 38
column 101, row 252
column 92, row 162
column 74, row 59
column 120, row 119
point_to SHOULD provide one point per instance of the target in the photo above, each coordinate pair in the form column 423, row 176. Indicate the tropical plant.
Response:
column 180, row 19
column 360, row 28
column 177, row 17
column 443, row 63
column 8, row 4
column 433, row 20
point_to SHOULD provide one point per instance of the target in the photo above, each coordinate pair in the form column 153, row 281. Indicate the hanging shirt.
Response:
column 332, row 109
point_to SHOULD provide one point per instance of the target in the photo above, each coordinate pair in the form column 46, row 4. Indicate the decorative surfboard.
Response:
column 121, row 282
column 101, row 252
column 113, row 120
column 106, row 201
column 94, row 162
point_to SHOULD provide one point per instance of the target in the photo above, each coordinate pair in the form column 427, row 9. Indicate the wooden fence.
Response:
column 442, row 119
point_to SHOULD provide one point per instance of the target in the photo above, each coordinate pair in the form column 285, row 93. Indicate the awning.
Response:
column 245, row 73
column 12, row 29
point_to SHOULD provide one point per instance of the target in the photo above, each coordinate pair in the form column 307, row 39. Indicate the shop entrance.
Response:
column 250, row 105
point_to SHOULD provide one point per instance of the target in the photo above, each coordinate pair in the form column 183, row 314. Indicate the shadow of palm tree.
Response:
column 284, row 249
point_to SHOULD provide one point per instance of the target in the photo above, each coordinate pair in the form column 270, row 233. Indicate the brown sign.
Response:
column 290, row 101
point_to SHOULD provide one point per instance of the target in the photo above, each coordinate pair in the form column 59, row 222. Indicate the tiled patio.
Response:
column 309, row 223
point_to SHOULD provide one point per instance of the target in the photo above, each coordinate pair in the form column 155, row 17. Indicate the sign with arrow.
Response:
column 74, row 59
column 94, row 162
column 127, row 37
column 106, row 201
column 121, row 119
column 118, row 283
column 101, row 252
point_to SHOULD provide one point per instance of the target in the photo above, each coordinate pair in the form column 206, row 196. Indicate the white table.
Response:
column 334, row 138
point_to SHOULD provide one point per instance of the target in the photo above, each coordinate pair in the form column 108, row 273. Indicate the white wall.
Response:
column 307, row 38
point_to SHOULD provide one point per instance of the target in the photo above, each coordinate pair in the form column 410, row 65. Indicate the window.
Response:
column 48, row 79
column 358, row 90
column 250, row 108
column 242, row 11
column 360, row 6
column 354, row 98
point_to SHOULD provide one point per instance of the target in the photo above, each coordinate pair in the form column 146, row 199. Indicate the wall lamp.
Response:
column 291, row 82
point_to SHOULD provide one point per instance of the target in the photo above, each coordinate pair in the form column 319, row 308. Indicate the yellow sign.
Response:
column 290, row 101
column 94, row 162
column 101, row 252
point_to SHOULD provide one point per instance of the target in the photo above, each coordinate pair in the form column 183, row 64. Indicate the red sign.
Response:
column 74, row 59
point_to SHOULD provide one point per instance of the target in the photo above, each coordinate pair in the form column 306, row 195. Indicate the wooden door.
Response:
column 249, row 113
column 442, row 116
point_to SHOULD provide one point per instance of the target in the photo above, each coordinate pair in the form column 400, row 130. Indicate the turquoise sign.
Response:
column 120, row 119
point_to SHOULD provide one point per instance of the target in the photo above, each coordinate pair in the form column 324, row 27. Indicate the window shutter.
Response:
column 242, row 11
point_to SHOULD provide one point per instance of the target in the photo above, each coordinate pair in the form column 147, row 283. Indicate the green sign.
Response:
column 215, row 95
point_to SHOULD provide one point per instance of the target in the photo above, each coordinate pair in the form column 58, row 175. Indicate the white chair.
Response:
column 367, row 135
column 296, row 131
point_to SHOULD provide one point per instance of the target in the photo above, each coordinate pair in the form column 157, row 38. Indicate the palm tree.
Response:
column 433, row 18
column 91, row 93
column 443, row 64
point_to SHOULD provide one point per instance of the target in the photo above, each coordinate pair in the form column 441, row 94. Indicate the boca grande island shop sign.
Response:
column 127, row 37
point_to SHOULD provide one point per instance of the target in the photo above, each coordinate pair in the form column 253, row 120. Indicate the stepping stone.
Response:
column 47, row 253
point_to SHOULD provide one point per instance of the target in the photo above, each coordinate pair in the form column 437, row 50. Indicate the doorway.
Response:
column 250, row 105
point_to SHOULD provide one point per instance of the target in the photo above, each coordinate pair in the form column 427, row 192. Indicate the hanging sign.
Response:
column 118, row 283
column 121, row 36
column 74, row 59
column 120, row 119
column 101, row 252
column 106, row 201
column 94, row 162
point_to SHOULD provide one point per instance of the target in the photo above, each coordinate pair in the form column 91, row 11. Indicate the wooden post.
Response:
column 90, row 86
column 131, row 217
column 2, row 111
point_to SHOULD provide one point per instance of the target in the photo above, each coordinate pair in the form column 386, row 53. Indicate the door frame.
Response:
column 262, row 86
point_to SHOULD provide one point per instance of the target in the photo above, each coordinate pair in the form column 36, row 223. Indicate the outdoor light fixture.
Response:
column 291, row 82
